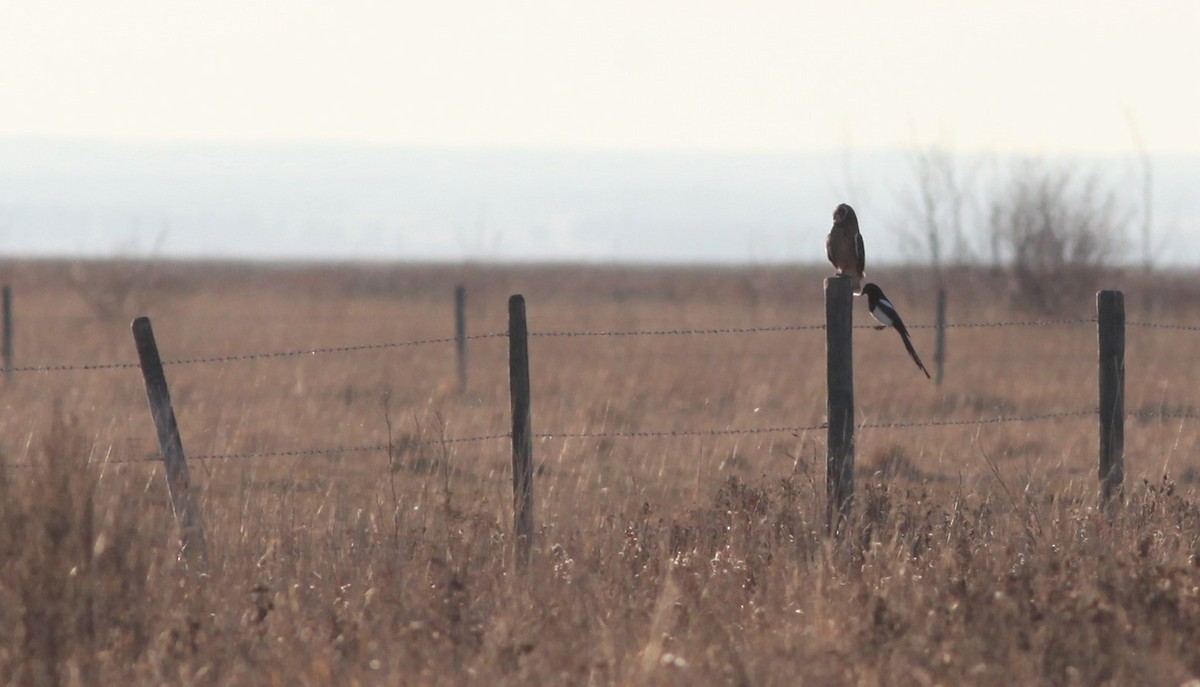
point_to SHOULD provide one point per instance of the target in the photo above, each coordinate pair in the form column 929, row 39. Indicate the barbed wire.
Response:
column 723, row 330
column 902, row 424
column 648, row 434
column 328, row 349
column 794, row 327
column 1164, row 414
column 324, row 451
column 74, row 367
column 679, row 332
column 239, row 357
column 656, row 434
column 1002, row 323
column 1157, row 325
column 980, row 421
column 373, row 448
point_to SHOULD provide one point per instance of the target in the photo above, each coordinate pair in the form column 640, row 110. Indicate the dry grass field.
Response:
column 977, row 553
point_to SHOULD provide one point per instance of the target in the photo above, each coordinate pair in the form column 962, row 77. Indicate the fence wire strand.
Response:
column 1158, row 325
column 328, row 349
column 259, row 356
column 899, row 424
column 679, row 332
column 649, row 434
column 980, row 421
column 1002, row 323
column 325, row 350
column 795, row 327
column 1164, row 414
column 74, row 368
column 324, row 451
column 655, row 434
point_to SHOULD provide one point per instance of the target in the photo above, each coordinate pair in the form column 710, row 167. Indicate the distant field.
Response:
column 977, row 555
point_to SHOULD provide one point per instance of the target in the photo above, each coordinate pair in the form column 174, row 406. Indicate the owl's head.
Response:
column 843, row 213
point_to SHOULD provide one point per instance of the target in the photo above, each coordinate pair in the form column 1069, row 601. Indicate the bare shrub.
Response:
column 119, row 288
column 943, row 194
column 1057, row 232
column 114, row 289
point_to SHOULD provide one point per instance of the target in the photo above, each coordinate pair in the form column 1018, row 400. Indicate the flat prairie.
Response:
column 357, row 503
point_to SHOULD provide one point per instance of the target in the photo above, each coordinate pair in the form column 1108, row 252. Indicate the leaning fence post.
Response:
column 522, row 429
column 186, row 509
column 939, row 353
column 839, row 361
column 8, row 332
column 1110, row 317
column 460, row 335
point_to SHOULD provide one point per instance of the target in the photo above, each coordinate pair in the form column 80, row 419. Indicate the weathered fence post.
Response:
column 522, row 428
column 839, row 371
column 939, row 353
column 185, row 507
column 8, row 332
column 460, row 335
column 1110, row 316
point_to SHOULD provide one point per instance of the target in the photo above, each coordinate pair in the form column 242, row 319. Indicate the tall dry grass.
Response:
column 977, row 555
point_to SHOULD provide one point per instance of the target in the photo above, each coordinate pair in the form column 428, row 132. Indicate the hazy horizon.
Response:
column 336, row 201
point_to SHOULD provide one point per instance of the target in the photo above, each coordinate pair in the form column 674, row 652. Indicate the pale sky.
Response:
column 1008, row 76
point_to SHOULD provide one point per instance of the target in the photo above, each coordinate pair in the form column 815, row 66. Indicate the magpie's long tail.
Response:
column 911, row 351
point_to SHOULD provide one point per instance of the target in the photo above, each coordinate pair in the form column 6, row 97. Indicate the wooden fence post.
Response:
column 839, row 371
column 522, row 428
column 185, row 507
column 1110, row 317
column 8, row 332
column 939, row 353
column 460, row 335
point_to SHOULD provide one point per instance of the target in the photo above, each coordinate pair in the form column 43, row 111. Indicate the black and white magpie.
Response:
column 885, row 313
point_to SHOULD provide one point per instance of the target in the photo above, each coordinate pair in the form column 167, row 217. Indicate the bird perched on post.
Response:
column 885, row 313
column 844, row 246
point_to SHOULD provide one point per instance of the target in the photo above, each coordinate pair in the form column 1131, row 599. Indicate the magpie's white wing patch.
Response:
column 881, row 316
